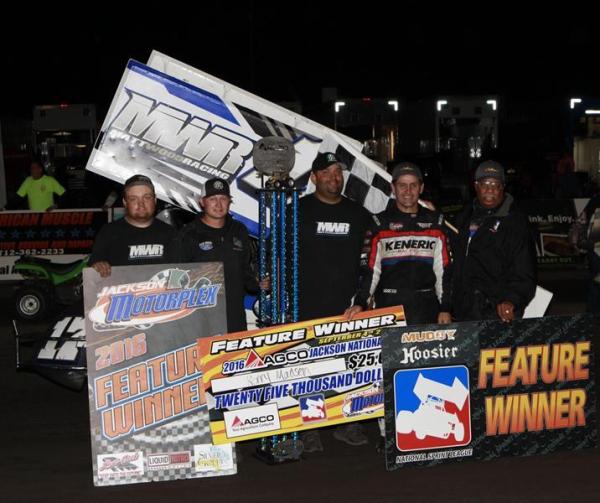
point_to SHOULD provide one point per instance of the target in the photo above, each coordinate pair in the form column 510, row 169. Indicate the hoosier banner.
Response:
column 479, row 390
column 148, row 413
column 295, row 377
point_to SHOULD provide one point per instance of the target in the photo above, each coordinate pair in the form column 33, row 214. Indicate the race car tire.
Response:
column 31, row 304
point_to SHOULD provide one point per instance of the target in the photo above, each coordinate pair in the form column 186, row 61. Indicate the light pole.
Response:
column 336, row 107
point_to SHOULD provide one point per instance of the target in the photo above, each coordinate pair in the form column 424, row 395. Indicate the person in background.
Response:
column 40, row 188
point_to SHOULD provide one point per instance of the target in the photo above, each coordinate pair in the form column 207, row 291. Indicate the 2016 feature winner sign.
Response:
column 148, row 412
column 487, row 389
column 295, row 377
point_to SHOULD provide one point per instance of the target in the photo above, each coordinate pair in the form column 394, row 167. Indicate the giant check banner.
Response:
column 148, row 413
column 181, row 127
column 295, row 377
column 478, row 390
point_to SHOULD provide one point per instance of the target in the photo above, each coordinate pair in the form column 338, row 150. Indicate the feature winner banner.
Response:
column 295, row 377
column 62, row 236
column 479, row 390
column 148, row 413
column 181, row 127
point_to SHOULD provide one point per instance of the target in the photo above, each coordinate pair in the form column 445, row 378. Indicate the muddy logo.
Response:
column 168, row 295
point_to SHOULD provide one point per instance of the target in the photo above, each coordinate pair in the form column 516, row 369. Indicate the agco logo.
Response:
column 253, row 421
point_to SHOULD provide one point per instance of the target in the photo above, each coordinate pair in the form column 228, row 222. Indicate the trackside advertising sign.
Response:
column 478, row 390
column 295, row 377
column 148, row 415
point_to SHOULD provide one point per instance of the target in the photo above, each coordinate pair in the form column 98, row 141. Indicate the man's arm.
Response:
column 370, row 273
column 443, row 270
column 99, row 259
column 24, row 188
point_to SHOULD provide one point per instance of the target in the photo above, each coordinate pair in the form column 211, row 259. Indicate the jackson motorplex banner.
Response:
column 148, row 415
column 295, row 377
column 181, row 127
column 478, row 390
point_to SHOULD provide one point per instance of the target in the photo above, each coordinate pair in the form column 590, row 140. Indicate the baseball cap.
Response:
column 490, row 169
column 406, row 168
column 216, row 186
column 326, row 159
column 139, row 180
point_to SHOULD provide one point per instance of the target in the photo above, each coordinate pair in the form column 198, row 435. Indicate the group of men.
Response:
column 351, row 260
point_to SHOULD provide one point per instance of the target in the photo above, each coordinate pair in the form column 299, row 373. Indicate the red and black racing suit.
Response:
column 409, row 264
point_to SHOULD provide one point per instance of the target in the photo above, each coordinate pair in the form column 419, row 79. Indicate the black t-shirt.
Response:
column 331, row 241
column 120, row 243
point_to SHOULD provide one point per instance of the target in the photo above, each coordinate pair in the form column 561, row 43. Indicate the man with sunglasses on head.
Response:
column 494, row 255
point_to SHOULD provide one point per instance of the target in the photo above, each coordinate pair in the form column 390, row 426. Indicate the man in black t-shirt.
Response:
column 138, row 238
column 332, row 232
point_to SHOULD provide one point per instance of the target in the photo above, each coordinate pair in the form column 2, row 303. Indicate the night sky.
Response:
column 413, row 50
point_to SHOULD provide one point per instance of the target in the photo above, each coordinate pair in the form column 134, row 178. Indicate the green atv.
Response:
column 46, row 285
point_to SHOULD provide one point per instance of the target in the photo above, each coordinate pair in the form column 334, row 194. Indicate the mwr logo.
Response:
column 146, row 251
column 181, row 137
column 242, row 422
column 333, row 228
column 121, row 464
column 169, row 460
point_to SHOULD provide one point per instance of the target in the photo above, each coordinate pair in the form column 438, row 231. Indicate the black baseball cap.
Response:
column 216, row 186
column 326, row 159
column 490, row 169
column 139, row 180
column 406, row 168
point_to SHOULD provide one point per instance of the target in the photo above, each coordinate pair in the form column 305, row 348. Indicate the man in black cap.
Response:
column 214, row 236
column 409, row 257
column 332, row 232
column 136, row 239
column 494, row 268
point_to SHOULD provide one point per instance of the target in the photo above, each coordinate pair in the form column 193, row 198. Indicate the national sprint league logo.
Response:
column 313, row 408
column 432, row 408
